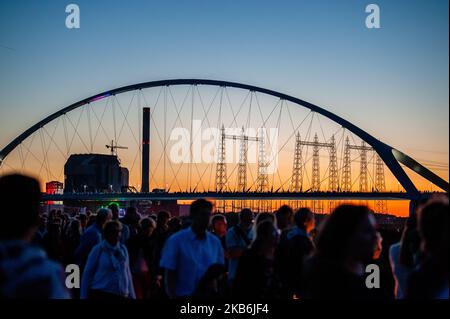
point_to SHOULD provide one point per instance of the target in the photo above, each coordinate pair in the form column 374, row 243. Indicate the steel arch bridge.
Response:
column 392, row 157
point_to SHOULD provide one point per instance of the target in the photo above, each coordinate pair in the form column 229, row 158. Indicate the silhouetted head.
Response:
column 284, row 216
column 174, row 224
column 83, row 220
column 304, row 219
column 132, row 216
column 112, row 232
column 219, row 225
column 162, row 219
column 246, row 218
column 433, row 224
column 20, row 198
column 266, row 237
column 265, row 216
column 114, row 207
column 74, row 228
column 103, row 215
column 147, row 226
column 347, row 235
column 200, row 213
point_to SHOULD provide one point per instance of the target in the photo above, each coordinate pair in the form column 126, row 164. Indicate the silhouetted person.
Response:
column 189, row 253
column 403, row 256
column 92, row 236
column 53, row 243
column 255, row 275
column 295, row 245
column 219, row 228
column 25, row 270
column 115, row 216
column 238, row 240
column 265, row 216
column 284, row 217
column 430, row 279
column 131, row 219
column 83, row 218
column 174, row 225
column 345, row 244
column 64, row 225
column 140, row 249
column 107, row 273
column 72, row 241
column 160, row 235
column 41, row 231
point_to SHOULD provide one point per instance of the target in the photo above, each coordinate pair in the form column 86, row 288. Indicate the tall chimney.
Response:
column 145, row 150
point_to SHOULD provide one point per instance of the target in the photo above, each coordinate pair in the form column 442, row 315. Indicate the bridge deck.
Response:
column 235, row 196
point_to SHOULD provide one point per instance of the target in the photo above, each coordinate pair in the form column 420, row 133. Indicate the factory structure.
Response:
column 94, row 173
column 102, row 173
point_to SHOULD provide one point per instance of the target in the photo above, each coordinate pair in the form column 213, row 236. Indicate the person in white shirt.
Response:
column 107, row 273
column 188, row 254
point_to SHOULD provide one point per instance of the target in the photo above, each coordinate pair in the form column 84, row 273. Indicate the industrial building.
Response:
column 94, row 173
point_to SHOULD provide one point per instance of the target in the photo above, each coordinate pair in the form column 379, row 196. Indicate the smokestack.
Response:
column 145, row 150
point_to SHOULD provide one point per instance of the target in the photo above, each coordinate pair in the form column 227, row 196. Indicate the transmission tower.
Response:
column 263, row 179
column 380, row 184
column 333, row 181
column 221, row 168
column 243, row 157
column 346, row 169
column 297, row 173
column 363, row 172
column 315, row 180
column 363, row 182
column 242, row 167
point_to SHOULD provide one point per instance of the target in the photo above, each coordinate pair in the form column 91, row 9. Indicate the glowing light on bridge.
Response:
column 97, row 98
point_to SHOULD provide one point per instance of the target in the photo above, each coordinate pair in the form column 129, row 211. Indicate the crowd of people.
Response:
column 280, row 255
